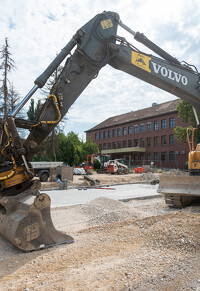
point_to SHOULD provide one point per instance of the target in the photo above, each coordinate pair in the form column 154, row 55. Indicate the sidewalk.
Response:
column 118, row 192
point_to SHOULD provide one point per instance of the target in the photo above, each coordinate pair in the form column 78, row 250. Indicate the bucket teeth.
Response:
column 25, row 220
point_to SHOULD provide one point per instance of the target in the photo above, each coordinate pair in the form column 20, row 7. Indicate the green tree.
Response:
column 33, row 109
column 88, row 148
column 44, row 152
column 69, row 148
column 6, row 66
column 185, row 112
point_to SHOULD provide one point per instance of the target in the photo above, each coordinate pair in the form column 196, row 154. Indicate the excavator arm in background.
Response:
column 24, row 212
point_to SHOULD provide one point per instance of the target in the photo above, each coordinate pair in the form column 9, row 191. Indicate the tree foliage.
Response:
column 185, row 112
column 69, row 149
column 33, row 109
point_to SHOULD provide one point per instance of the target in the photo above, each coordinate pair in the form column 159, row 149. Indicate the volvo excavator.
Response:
column 25, row 218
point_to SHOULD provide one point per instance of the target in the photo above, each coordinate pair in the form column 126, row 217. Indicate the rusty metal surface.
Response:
column 26, row 222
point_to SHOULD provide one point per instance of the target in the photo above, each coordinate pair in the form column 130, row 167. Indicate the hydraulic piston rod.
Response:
column 148, row 43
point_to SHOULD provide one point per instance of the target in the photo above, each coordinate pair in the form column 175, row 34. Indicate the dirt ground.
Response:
column 138, row 245
column 105, row 179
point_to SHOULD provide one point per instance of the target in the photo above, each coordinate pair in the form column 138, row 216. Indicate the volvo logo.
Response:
column 167, row 73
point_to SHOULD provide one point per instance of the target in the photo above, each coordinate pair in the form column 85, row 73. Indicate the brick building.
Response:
column 143, row 136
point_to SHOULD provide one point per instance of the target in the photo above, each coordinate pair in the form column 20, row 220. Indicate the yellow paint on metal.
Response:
column 141, row 61
column 106, row 23
column 32, row 232
column 19, row 177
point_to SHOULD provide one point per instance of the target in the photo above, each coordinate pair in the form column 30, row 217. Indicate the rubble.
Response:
column 139, row 245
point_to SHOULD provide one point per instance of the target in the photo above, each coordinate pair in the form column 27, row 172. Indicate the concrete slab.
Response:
column 118, row 192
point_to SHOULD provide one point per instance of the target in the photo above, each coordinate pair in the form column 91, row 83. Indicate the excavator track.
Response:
column 179, row 190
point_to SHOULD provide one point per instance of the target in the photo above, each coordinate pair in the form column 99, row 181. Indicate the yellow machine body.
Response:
column 19, row 177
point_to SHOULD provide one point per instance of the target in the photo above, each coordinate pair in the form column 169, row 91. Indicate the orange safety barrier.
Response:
column 139, row 170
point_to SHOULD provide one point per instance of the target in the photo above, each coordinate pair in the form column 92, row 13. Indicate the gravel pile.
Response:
column 104, row 210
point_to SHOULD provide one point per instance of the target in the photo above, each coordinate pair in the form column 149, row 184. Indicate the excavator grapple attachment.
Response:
column 179, row 190
column 25, row 221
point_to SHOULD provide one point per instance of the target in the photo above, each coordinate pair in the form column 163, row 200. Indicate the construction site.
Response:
column 122, row 226
column 140, row 244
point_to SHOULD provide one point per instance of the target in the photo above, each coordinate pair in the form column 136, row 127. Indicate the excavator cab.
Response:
column 194, row 154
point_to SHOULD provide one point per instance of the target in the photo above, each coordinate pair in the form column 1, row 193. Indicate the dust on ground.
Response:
column 139, row 245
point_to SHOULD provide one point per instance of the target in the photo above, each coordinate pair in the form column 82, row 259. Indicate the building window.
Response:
column 130, row 143
column 124, row 130
column 142, row 127
column 124, row 143
column 156, row 125
column 163, row 123
column 163, row 156
column 135, row 128
column 114, row 133
column 135, row 142
column 142, row 157
column 96, row 136
column 104, row 146
column 149, row 157
column 114, row 145
column 119, row 131
column 149, row 126
column 109, row 146
column 172, row 122
column 119, row 144
column 142, row 142
column 172, row 156
column 163, row 140
column 156, row 157
column 109, row 133
column 104, row 134
column 149, row 141
column 130, row 130
column 100, row 147
column 155, row 141
column 171, row 139
column 100, row 135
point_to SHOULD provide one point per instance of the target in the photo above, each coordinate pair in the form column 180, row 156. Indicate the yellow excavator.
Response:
column 25, row 218
column 194, row 153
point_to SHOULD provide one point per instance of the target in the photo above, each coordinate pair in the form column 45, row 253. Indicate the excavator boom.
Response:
column 25, row 213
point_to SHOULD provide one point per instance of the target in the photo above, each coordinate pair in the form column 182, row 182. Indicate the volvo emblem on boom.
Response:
column 167, row 73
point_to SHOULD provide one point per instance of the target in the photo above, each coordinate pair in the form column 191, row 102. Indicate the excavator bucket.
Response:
column 179, row 190
column 25, row 221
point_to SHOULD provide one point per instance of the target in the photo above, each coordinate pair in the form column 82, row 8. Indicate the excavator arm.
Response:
column 24, row 212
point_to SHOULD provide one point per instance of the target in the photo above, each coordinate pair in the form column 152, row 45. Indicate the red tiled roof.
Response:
column 155, row 110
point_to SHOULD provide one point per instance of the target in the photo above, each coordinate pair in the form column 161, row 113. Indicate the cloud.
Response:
column 38, row 30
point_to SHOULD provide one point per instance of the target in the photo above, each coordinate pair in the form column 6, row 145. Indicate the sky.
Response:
column 37, row 30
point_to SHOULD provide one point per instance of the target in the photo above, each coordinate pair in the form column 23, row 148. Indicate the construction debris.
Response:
column 91, row 180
